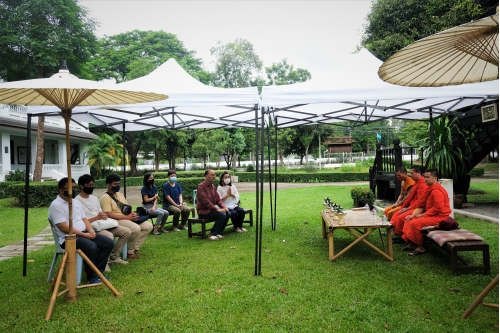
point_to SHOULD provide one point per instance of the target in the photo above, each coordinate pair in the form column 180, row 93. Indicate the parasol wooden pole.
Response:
column 70, row 242
column 480, row 298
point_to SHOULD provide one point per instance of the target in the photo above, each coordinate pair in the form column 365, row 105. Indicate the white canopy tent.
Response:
column 190, row 104
column 359, row 95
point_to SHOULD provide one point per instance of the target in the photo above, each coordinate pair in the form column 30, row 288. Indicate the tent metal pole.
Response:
column 257, row 207
column 270, row 175
column 432, row 137
column 275, row 169
column 26, row 192
column 261, row 198
column 124, row 165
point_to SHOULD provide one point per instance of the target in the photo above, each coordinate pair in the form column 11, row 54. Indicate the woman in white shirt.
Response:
column 231, row 199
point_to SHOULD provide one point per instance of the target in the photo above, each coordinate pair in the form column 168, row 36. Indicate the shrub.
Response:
column 476, row 172
column 310, row 168
column 362, row 196
column 15, row 176
column 250, row 168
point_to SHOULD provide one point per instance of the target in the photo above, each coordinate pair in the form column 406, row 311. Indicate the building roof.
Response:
column 339, row 140
column 15, row 123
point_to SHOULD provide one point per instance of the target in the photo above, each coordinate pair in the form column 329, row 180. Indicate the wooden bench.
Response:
column 453, row 247
column 203, row 222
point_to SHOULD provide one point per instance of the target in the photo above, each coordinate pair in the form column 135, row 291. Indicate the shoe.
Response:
column 176, row 229
column 238, row 230
column 214, row 238
column 220, row 236
column 407, row 248
column 95, row 279
column 184, row 227
column 157, row 233
column 117, row 260
column 163, row 231
column 131, row 256
column 243, row 229
column 398, row 240
column 107, row 269
column 416, row 253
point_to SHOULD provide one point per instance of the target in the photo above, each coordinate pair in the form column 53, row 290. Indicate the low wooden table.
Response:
column 360, row 224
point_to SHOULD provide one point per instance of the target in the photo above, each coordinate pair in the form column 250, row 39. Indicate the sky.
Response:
column 313, row 35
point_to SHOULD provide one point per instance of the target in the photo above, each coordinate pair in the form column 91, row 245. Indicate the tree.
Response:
column 36, row 36
column 236, row 64
column 282, row 73
column 136, row 53
column 233, row 145
column 285, row 138
column 209, row 143
column 394, row 24
column 104, row 151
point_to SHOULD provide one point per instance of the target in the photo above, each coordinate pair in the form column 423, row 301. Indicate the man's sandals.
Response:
column 415, row 253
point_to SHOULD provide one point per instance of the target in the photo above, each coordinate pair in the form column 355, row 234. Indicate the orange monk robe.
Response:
column 405, row 186
column 437, row 209
column 417, row 192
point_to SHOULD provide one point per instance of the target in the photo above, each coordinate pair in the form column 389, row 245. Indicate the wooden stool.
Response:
column 203, row 222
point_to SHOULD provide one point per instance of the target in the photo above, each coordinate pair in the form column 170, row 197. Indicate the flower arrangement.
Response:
column 333, row 206
column 362, row 196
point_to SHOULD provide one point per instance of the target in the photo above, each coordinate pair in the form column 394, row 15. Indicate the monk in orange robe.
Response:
column 399, row 218
column 434, row 207
column 406, row 186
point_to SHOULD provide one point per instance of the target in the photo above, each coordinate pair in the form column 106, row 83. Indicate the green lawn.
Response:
column 194, row 285
column 483, row 192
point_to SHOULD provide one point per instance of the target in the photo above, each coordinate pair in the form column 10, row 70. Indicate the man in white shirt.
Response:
column 96, row 247
column 93, row 212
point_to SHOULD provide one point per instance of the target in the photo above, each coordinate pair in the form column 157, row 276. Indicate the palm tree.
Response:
column 105, row 151
column 444, row 153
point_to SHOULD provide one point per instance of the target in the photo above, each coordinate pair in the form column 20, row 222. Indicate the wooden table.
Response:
column 360, row 224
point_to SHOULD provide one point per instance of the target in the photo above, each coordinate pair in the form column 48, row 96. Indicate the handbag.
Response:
column 143, row 215
column 108, row 223
column 124, row 208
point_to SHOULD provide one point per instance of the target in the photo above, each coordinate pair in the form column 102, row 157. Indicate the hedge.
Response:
column 477, row 172
column 307, row 177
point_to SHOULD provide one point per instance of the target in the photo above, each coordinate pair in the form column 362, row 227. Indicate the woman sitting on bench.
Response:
column 150, row 201
column 231, row 199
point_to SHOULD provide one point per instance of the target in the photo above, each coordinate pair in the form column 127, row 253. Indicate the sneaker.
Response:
column 220, row 236
column 107, row 269
column 184, row 227
column 214, row 238
column 243, row 229
column 117, row 260
column 176, row 229
column 131, row 256
column 157, row 233
column 95, row 279
column 163, row 231
column 238, row 230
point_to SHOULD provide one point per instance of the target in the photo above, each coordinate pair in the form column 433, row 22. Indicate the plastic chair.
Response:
column 60, row 251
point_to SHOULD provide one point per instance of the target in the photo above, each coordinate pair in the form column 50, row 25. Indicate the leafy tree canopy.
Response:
column 36, row 35
column 282, row 73
column 236, row 64
column 136, row 53
column 394, row 24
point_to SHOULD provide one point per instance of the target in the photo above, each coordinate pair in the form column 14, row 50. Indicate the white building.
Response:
column 13, row 126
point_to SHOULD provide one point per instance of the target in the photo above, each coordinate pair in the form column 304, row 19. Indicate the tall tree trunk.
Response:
column 132, row 150
column 307, row 154
column 37, row 173
column 157, row 160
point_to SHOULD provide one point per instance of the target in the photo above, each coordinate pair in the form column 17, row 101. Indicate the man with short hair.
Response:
column 399, row 218
column 406, row 185
column 433, row 207
column 96, row 247
column 209, row 206
column 139, row 232
column 93, row 212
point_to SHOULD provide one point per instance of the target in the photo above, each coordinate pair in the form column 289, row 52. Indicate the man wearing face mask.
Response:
column 96, row 247
column 139, row 232
column 173, row 203
column 93, row 212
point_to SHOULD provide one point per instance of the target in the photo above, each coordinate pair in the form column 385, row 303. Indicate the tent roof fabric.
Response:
column 359, row 95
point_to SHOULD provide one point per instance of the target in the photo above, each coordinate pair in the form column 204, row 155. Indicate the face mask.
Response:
column 88, row 190
column 151, row 182
column 66, row 194
column 116, row 188
column 227, row 180
column 173, row 179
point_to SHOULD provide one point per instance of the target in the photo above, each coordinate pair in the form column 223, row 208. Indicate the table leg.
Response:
column 323, row 226
column 331, row 249
column 362, row 238
column 389, row 242
column 359, row 239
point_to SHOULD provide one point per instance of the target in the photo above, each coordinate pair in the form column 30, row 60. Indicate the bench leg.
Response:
column 190, row 229
column 203, row 231
column 454, row 261
column 486, row 260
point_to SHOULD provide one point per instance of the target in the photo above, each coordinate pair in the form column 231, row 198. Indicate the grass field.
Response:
column 194, row 285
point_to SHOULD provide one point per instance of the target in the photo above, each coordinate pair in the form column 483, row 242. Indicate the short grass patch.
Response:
column 193, row 285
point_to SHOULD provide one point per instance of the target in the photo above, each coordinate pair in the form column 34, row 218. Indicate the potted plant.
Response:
column 362, row 196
